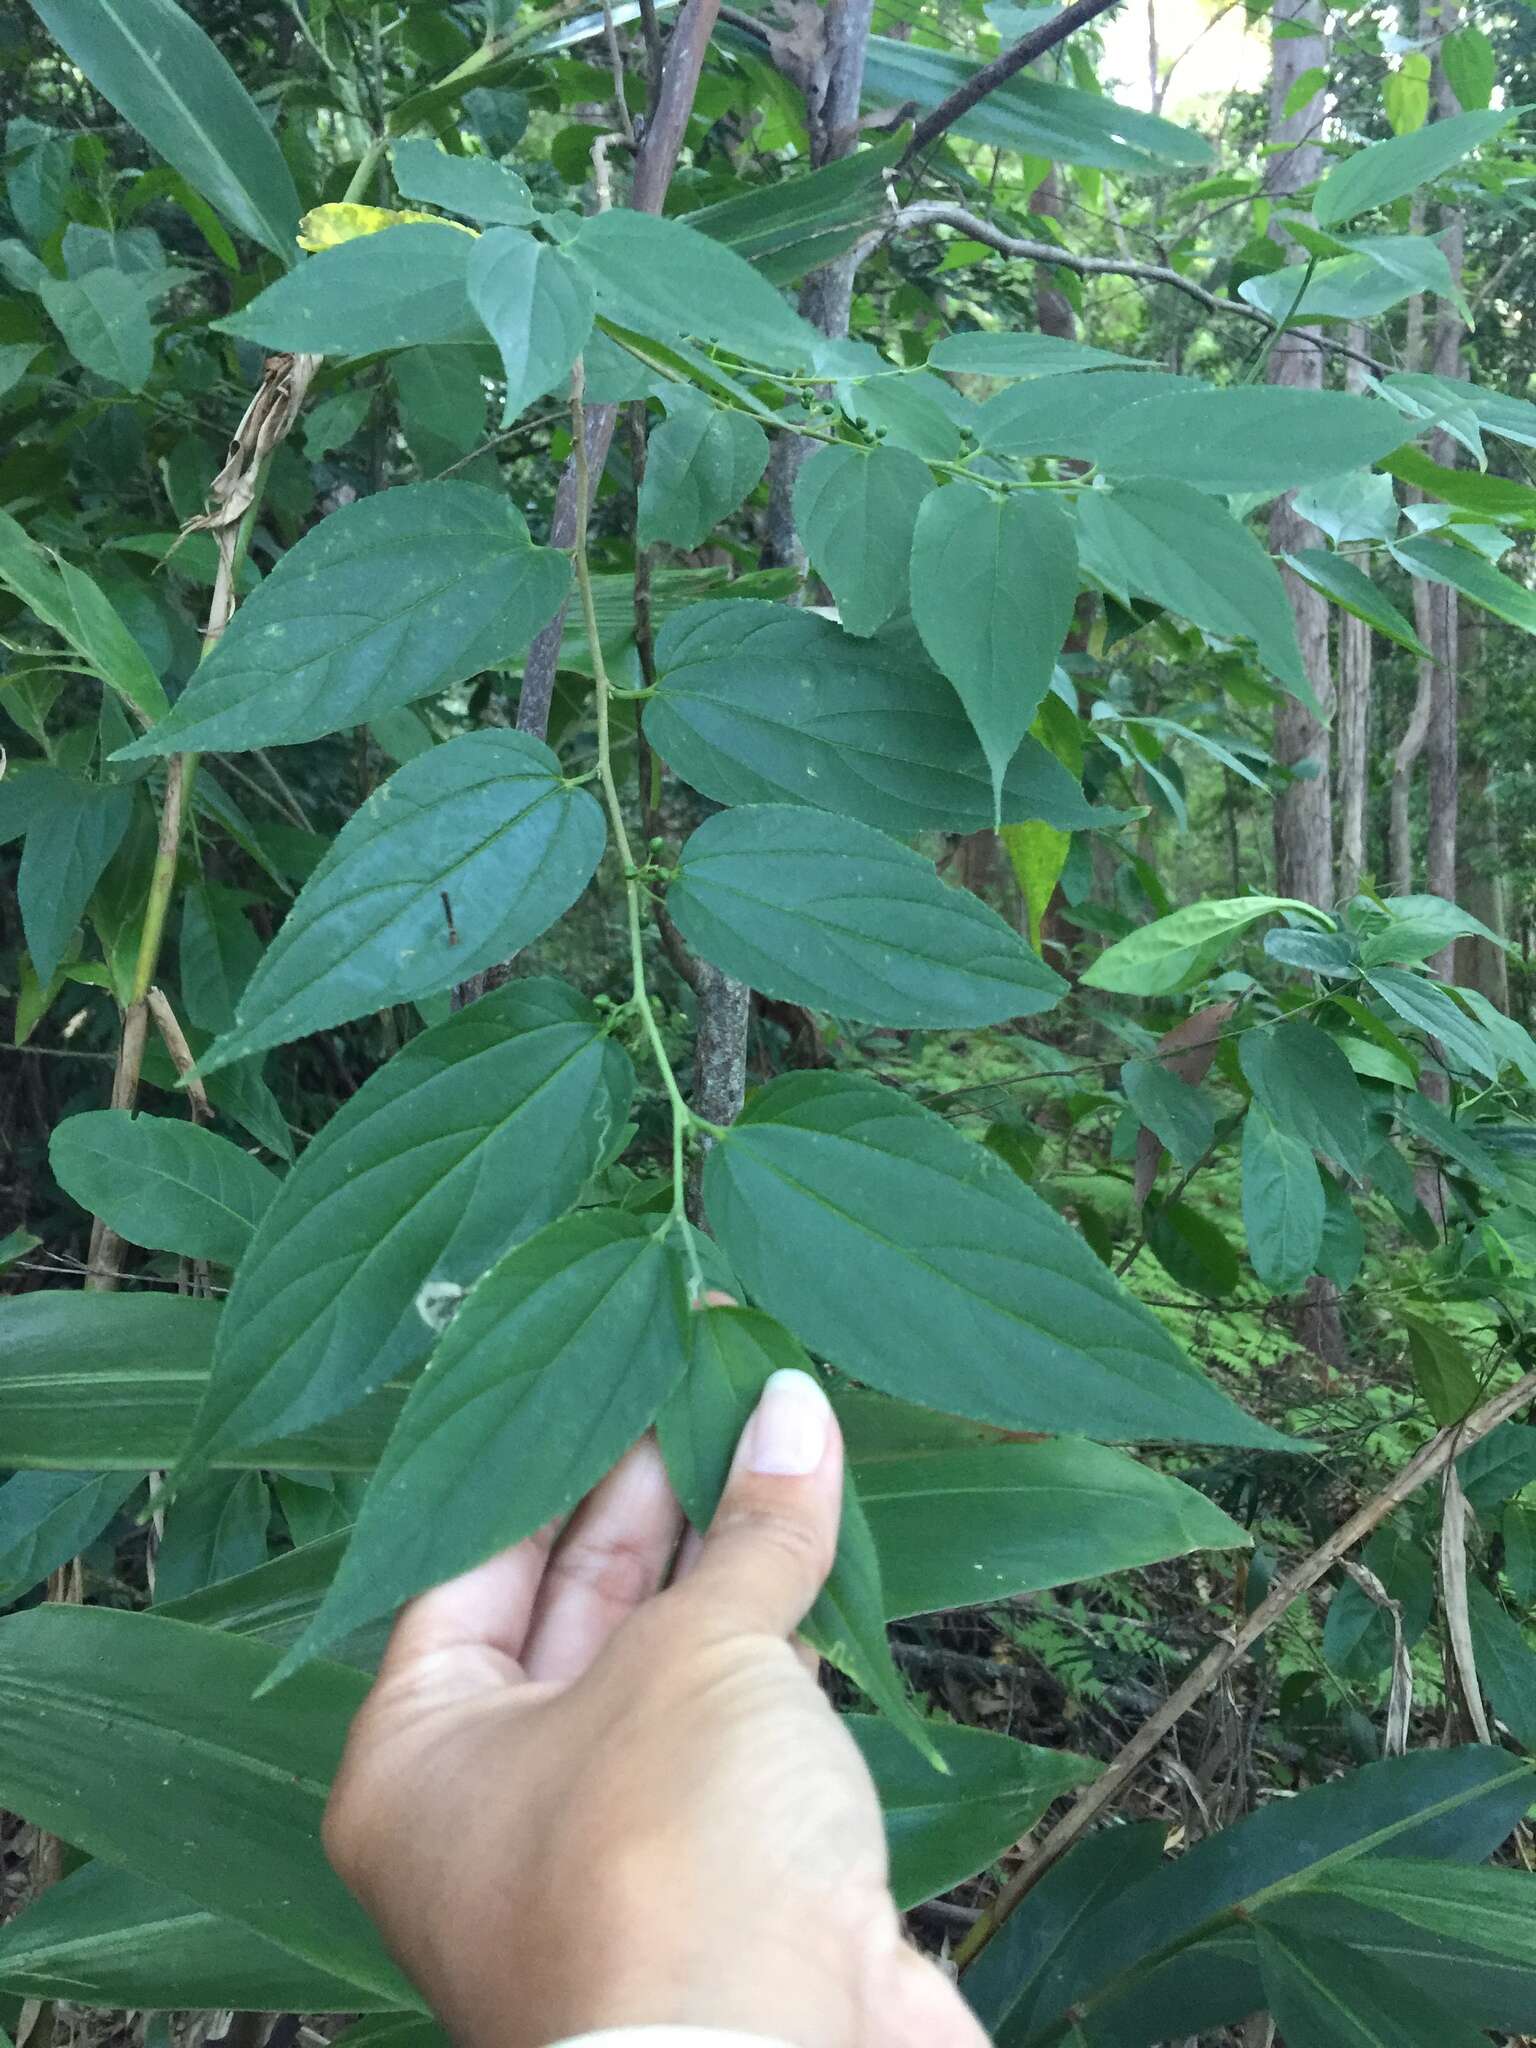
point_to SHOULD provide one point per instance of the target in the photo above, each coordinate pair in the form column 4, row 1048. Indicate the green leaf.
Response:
column 1405, row 93
column 1250, row 437
column 66, row 599
column 556, row 1361
column 985, row 354
column 1300, row 1077
column 102, row 1937
column 820, row 910
column 1379, row 273
column 1451, row 1137
column 46, row 1518
column 940, row 1830
column 1282, row 1202
column 105, row 323
column 475, row 1135
column 1158, row 958
column 732, row 1352
column 1328, row 1996
column 276, row 1602
column 476, row 186
column 1336, row 576
column 1482, row 1908
column 394, row 289
column 1358, row 1636
column 214, row 1530
column 960, row 1518
column 1458, row 1804
column 331, row 422
column 113, row 1382
column 486, row 820
column 1192, row 1249
column 539, row 309
column 1470, row 66
column 388, row 599
column 855, row 511
column 663, row 279
column 164, row 76
column 1441, row 561
column 700, row 463
column 1384, row 172
column 442, row 391
column 1176, row 547
column 909, row 409
column 798, row 222
column 1038, row 854
column 1178, row 1115
column 1450, row 1972
column 137, row 1739
column 162, row 1183
column 764, row 703
column 217, row 956
column 1343, row 1251
column 1517, row 1526
column 974, row 1296
column 1070, row 417
column 1005, row 1983
column 1445, row 1375
column 1438, row 1015
column 1502, row 1465
column 1353, row 508
column 1506, row 1664
column 1058, row 122
column 69, row 842
column 994, row 582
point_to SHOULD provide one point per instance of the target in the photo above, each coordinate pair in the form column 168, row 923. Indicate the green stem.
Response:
column 682, row 1116
column 367, row 164
column 181, row 771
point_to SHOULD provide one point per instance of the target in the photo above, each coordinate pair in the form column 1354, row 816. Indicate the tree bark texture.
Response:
column 1304, row 808
column 1353, row 720
column 1441, row 745
column 1479, row 963
column 833, row 84
column 655, row 161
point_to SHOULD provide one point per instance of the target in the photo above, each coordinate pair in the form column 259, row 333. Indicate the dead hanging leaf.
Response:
column 1400, row 1696
column 1453, row 1595
column 1187, row 1051
column 798, row 47
column 268, row 420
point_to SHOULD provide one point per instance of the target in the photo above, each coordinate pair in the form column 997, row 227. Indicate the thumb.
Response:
column 768, row 1551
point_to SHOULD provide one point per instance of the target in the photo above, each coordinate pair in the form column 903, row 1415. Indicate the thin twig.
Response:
column 941, row 213
column 1104, row 1791
column 650, row 30
column 616, row 66
column 1001, row 69
column 175, row 1042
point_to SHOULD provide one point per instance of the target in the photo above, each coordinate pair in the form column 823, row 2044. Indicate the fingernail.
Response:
column 787, row 1435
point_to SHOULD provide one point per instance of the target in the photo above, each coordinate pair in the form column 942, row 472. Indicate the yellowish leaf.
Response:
column 327, row 227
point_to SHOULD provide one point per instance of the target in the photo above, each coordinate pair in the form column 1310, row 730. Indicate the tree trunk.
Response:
column 655, row 161
column 1353, row 722
column 833, row 84
column 1479, row 963
column 1441, row 744
column 1304, row 808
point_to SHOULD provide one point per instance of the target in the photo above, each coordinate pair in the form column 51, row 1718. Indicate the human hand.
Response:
column 575, row 1800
